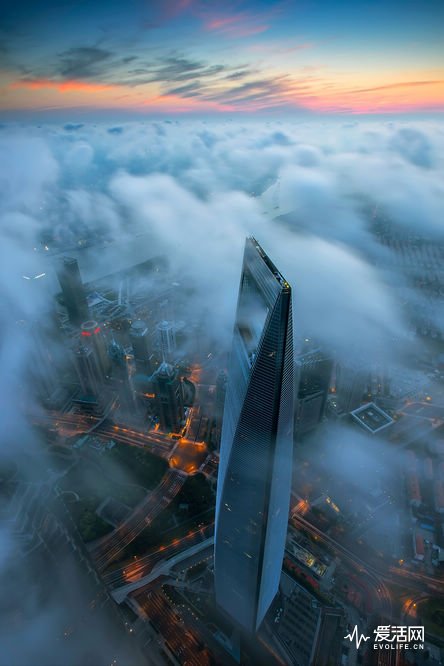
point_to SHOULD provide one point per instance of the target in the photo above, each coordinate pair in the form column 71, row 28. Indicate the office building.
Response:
column 167, row 341
column 72, row 290
column 221, row 388
column 88, row 371
column 140, row 341
column 93, row 338
column 42, row 365
column 121, row 376
column 254, row 480
column 313, row 374
column 352, row 383
column 308, row 633
column 168, row 398
column 46, row 362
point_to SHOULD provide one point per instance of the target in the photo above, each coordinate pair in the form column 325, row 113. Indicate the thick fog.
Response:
column 193, row 190
column 310, row 192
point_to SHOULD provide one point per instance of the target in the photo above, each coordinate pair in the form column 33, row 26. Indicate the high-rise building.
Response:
column 121, row 376
column 167, row 340
column 140, row 341
column 42, row 329
column 313, row 375
column 73, row 291
column 254, row 481
column 168, row 398
column 93, row 338
column 351, row 384
column 221, row 388
column 41, row 361
column 88, row 370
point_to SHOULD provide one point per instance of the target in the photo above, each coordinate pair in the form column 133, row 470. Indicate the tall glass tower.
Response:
column 254, row 482
column 73, row 291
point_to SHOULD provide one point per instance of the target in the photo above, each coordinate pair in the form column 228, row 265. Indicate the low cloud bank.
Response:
column 314, row 194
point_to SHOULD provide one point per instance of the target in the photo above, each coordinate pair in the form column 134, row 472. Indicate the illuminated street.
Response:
column 111, row 546
column 188, row 455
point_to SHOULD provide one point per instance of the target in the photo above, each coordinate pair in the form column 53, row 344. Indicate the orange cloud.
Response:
column 313, row 92
column 326, row 95
column 401, row 96
column 391, row 98
column 65, row 86
column 53, row 94
column 403, row 84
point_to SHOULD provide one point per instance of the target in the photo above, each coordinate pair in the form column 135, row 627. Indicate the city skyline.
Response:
column 189, row 57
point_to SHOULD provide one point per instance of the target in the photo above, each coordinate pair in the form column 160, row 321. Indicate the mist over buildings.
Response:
column 313, row 193
column 193, row 190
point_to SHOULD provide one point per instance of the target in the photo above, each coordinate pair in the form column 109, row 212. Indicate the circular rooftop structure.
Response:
column 164, row 325
column 90, row 327
column 138, row 327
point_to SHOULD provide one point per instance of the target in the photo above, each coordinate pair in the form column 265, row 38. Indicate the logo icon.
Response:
column 391, row 637
column 354, row 636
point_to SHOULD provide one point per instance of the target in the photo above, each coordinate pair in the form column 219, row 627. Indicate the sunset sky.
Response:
column 144, row 57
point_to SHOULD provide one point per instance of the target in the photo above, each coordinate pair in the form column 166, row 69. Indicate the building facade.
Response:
column 352, row 382
column 254, row 481
column 140, row 342
column 73, row 291
column 88, row 370
column 221, row 389
column 168, row 398
column 167, row 341
column 92, row 337
column 313, row 376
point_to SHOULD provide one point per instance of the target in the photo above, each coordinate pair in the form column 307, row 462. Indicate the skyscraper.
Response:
column 221, row 388
column 88, row 370
column 121, row 377
column 46, row 357
column 93, row 338
column 352, row 380
column 73, row 291
column 140, row 342
column 43, row 368
column 168, row 398
column 254, row 482
column 313, row 375
column 167, row 340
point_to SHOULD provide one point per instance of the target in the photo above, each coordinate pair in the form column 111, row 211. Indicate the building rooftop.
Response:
column 371, row 417
column 298, row 627
column 165, row 370
column 304, row 631
column 267, row 261
column 164, row 325
column 138, row 327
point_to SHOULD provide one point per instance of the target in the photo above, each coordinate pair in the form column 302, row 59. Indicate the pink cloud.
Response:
column 237, row 25
column 64, row 86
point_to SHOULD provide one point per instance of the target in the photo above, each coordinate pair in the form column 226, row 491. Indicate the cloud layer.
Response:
column 311, row 193
column 314, row 195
